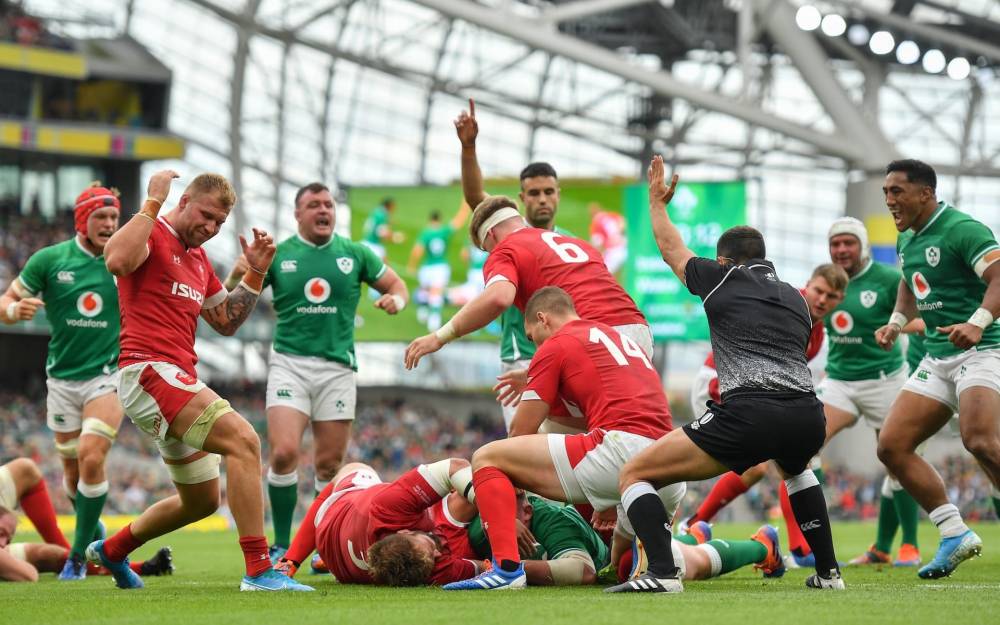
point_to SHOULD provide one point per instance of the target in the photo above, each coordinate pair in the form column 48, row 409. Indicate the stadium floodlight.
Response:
column 959, row 68
column 882, row 42
column 908, row 52
column 857, row 34
column 934, row 61
column 834, row 25
column 808, row 17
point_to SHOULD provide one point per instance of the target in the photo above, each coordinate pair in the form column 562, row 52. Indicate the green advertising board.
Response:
column 701, row 211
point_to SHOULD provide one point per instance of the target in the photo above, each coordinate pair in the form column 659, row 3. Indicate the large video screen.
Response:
column 701, row 210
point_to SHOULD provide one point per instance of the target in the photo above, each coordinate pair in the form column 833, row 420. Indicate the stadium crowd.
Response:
column 394, row 435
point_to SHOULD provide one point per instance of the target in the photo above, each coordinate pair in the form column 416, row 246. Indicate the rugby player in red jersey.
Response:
column 409, row 532
column 605, row 378
column 521, row 261
column 165, row 282
column 824, row 291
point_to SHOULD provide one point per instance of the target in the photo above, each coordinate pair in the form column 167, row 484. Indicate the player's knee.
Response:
column 25, row 471
column 285, row 459
column 245, row 442
column 91, row 463
column 627, row 476
column 203, row 506
column 983, row 447
column 327, row 466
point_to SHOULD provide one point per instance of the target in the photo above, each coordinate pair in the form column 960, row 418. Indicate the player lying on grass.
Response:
column 165, row 283
column 597, row 372
column 568, row 552
column 401, row 533
column 21, row 482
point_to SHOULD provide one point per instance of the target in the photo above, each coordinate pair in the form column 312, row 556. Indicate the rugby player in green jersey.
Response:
column 951, row 278
column 862, row 379
column 81, row 303
column 316, row 279
column 430, row 252
column 540, row 198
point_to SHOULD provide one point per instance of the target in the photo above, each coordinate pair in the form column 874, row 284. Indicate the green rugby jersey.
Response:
column 558, row 528
column 939, row 267
column 868, row 304
column 81, row 305
column 316, row 290
column 514, row 341
column 435, row 240
column 378, row 218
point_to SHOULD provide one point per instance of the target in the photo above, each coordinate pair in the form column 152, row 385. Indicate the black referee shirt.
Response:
column 759, row 325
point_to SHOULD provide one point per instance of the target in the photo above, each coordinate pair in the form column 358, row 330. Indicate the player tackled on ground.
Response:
column 316, row 279
column 165, row 283
column 597, row 372
column 759, row 328
column 401, row 533
column 81, row 303
column 21, row 482
column 951, row 278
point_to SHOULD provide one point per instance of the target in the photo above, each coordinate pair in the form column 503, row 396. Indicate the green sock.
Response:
column 820, row 476
column 687, row 539
column 284, row 496
column 88, row 513
column 888, row 522
column 734, row 554
column 908, row 513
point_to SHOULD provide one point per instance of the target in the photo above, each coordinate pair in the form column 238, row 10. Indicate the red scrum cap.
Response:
column 93, row 198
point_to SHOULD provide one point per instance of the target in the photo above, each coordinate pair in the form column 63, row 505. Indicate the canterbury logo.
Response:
column 810, row 525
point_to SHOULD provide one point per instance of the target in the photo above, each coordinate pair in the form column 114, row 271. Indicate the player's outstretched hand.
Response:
column 659, row 193
column 260, row 252
column 604, row 520
column 466, row 126
column 159, row 184
column 510, row 386
column 26, row 308
column 962, row 335
column 427, row 344
column 886, row 336
column 527, row 546
column 388, row 303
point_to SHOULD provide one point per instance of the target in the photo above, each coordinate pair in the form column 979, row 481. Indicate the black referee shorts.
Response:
column 748, row 429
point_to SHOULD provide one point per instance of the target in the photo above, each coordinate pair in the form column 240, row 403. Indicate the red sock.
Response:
column 729, row 487
column 305, row 537
column 136, row 567
column 498, row 508
column 121, row 544
column 38, row 506
column 255, row 554
column 796, row 541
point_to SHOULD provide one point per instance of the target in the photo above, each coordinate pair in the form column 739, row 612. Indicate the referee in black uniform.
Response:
column 760, row 327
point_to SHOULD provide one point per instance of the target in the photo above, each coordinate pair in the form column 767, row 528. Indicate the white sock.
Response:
column 887, row 487
column 92, row 491
column 949, row 520
column 319, row 484
column 282, row 479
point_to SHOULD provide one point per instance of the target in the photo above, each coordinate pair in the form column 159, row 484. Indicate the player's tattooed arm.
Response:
column 227, row 316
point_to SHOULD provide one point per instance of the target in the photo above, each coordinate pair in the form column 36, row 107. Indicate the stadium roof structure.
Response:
column 802, row 99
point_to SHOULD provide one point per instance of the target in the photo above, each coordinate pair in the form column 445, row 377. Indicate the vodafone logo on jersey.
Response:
column 842, row 322
column 921, row 288
column 317, row 290
column 90, row 304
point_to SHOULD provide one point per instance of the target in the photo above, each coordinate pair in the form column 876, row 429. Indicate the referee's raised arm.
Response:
column 675, row 253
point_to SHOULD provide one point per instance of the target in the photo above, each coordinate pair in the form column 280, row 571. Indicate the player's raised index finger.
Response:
column 472, row 108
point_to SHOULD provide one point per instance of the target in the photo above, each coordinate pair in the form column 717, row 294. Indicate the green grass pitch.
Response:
column 209, row 565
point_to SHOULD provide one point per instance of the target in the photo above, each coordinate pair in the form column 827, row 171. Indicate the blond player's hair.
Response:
column 396, row 561
column 214, row 184
column 834, row 275
column 484, row 210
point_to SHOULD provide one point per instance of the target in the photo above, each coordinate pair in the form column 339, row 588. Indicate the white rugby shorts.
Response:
column 945, row 379
column 66, row 398
column 321, row 389
column 870, row 399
